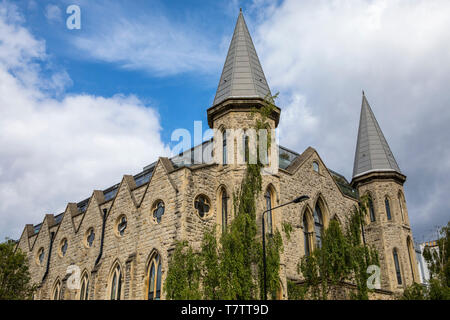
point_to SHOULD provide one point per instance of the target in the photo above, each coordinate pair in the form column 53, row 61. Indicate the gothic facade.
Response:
column 120, row 239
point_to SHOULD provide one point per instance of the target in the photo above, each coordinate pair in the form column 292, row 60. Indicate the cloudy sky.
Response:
column 80, row 108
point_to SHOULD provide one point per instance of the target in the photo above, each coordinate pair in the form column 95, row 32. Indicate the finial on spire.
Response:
column 240, row 9
column 363, row 93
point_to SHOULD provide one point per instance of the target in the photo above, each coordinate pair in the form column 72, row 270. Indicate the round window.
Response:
column 202, row 205
column 121, row 225
column 90, row 237
column 63, row 247
column 40, row 256
column 158, row 211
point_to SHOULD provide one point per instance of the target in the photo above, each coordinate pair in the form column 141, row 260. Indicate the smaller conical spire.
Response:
column 372, row 150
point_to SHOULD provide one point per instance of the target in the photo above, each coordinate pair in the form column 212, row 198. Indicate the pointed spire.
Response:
column 242, row 75
column 372, row 150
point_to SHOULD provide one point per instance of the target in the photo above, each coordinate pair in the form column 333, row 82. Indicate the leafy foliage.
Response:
column 14, row 275
column 231, row 268
column 342, row 258
column 438, row 261
column 183, row 280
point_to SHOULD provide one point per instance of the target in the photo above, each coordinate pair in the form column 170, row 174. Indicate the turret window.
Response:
column 388, row 208
column 371, row 210
column 268, row 197
column 224, row 210
column 397, row 267
column 224, row 147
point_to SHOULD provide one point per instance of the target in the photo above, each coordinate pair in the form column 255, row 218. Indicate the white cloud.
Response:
column 53, row 13
column 151, row 42
column 321, row 54
column 56, row 151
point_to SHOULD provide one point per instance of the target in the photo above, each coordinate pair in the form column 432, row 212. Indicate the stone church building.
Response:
column 119, row 240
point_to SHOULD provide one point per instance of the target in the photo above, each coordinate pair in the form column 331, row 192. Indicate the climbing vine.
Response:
column 343, row 258
column 231, row 267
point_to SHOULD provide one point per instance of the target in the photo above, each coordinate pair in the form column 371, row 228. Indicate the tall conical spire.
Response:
column 242, row 75
column 372, row 150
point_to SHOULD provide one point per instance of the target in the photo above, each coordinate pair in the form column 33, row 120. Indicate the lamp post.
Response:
column 296, row 200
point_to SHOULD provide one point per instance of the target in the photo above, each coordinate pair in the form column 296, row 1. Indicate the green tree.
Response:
column 342, row 258
column 14, row 275
column 231, row 268
column 438, row 261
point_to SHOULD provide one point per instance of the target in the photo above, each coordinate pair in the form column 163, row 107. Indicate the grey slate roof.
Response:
column 242, row 75
column 372, row 150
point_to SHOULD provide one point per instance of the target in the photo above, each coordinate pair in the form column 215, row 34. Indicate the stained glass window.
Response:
column 158, row 211
column 154, row 278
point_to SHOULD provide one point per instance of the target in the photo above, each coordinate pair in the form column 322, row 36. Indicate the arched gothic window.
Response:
column 401, row 206
column 84, row 289
column 397, row 267
column 154, row 278
column 371, row 210
column 410, row 252
column 246, row 148
column 224, row 210
column 306, row 228
column 224, row 147
column 318, row 225
column 57, row 291
column 388, row 208
column 268, row 197
column 116, row 283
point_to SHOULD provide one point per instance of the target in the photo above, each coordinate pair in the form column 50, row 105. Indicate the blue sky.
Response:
column 80, row 108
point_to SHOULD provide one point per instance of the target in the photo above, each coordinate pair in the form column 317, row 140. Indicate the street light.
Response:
column 296, row 200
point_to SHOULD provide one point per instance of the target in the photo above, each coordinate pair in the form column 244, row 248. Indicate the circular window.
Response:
column 40, row 256
column 121, row 225
column 90, row 237
column 158, row 211
column 63, row 247
column 202, row 205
